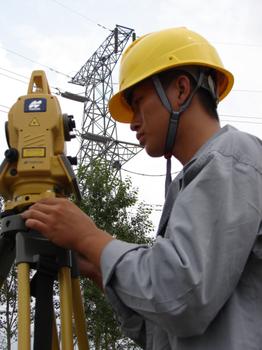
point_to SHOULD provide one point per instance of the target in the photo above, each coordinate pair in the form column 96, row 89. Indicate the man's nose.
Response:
column 134, row 126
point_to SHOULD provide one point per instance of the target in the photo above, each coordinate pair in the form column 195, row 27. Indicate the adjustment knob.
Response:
column 11, row 155
column 72, row 160
column 71, row 122
column 69, row 125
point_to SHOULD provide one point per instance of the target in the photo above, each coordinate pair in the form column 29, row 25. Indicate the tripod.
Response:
column 33, row 251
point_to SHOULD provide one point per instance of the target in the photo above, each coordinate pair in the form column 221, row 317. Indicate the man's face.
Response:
column 150, row 120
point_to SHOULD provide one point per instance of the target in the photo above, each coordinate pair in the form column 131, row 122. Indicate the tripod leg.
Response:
column 66, row 308
column 23, row 307
column 79, row 315
column 55, row 341
column 7, row 257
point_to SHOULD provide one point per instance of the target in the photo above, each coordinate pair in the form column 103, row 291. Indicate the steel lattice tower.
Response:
column 98, row 136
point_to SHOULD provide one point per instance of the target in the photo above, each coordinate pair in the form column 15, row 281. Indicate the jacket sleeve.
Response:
column 185, row 278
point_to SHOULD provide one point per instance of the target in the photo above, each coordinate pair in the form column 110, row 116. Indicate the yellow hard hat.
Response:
column 162, row 50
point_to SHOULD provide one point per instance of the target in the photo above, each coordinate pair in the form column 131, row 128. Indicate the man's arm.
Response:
column 183, row 281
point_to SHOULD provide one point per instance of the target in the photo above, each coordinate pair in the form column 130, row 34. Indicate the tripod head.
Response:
column 35, row 164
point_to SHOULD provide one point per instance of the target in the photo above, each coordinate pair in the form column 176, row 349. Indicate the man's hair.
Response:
column 205, row 97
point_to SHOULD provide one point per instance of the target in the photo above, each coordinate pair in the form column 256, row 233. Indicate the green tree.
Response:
column 113, row 204
column 8, row 311
column 8, row 305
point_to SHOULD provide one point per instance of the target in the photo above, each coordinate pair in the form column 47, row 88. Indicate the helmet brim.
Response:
column 119, row 109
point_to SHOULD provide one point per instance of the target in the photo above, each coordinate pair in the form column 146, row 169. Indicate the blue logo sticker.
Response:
column 35, row 105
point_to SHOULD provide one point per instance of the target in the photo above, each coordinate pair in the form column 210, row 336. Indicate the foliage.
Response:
column 8, row 305
column 111, row 203
column 8, row 310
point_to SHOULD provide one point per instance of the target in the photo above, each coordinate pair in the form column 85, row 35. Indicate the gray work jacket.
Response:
column 199, row 286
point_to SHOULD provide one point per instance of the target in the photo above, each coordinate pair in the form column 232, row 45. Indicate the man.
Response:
column 200, row 285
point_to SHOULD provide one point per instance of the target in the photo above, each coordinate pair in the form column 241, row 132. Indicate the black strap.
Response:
column 168, row 175
column 161, row 93
column 173, row 120
column 42, row 289
column 174, row 115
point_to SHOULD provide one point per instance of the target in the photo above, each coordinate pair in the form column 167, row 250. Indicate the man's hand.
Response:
column 63, row 223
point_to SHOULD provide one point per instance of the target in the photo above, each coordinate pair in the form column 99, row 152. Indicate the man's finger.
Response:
column 34, row 214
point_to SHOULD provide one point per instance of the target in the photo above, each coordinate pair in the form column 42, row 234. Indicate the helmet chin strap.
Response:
column 173, row 120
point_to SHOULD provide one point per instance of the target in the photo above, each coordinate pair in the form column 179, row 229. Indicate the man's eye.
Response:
column 129, row 97
column 136, row 100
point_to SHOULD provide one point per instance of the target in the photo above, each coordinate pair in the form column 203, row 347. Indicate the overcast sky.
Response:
column 61, row 35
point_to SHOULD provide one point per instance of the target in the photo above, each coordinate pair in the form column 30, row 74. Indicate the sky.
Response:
column 60, row 36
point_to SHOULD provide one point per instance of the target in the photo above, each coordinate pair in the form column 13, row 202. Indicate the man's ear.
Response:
column 181, row 88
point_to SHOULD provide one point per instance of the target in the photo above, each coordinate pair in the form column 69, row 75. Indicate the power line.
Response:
column 8, row 76
column 239, row 44
column 33, row 61
column 26, row 82
column 4, row 106
column 81, row 15
column 12, row 72
column 241, row 116
column 150, row 206
column 149, row 175
column 241, row 121
column 247, row 90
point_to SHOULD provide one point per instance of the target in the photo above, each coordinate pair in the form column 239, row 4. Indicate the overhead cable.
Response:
column 33, row 61
column 81, row 15
column 57, row 91
column 8, row 76
column 149, row 175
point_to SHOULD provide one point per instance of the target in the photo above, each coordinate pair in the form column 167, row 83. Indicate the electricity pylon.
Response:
column 98, row 135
